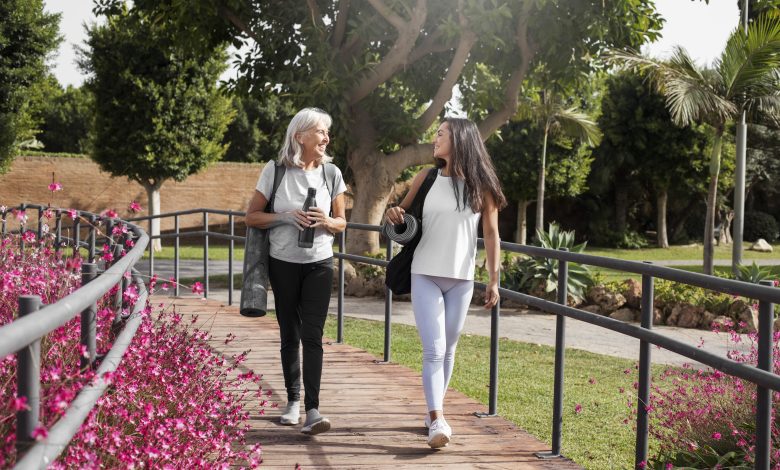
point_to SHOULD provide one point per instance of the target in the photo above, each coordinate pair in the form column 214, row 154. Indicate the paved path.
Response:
column 521, row 325
column 376, row 409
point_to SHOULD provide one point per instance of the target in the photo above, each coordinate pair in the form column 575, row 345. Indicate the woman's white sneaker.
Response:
column 291, row 414
column 439, row 434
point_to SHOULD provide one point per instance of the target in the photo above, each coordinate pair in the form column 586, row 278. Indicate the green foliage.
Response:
column 703, row 457
column 159, row 114
column 535, row 274
column 753, row 273
column 601, row 234
column 669, row 292
column 257, row 132
column 760, row 225
column 370, row 271
column 27, row 35
column 66, row 121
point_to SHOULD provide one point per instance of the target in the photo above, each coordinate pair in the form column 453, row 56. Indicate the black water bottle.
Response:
column 306, row 237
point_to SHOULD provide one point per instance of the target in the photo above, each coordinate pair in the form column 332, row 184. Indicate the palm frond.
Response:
column 750, row 59
column 575, row 123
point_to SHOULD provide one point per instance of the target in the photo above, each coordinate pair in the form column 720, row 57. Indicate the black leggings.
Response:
column 302, row 295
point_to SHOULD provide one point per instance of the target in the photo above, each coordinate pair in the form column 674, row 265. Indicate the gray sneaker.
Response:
column 291, row 414
column 315, row 423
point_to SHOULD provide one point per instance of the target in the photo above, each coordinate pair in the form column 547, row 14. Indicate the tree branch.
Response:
column 500, row 117
column 429, row 46
column 410, row 155
column 231, row 17
column 341, row 24
column 389, row 15
column 444, row 93
column 398, row 55
column 316, row 17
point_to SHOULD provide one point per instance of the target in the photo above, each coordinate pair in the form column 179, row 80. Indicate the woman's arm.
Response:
column 395, row 215
column 492, row 249
column 257, row 217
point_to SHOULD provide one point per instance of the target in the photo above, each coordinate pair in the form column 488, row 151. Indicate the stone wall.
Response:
column 224, row 185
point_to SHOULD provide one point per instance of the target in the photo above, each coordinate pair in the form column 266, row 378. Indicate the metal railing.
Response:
column 23, row 336
column 762, row 375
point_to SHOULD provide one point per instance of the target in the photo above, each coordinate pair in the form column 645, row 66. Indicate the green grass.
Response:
column 595, row 438
column 216, row 253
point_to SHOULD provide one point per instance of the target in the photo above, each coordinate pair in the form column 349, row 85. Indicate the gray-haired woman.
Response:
column 301, row 277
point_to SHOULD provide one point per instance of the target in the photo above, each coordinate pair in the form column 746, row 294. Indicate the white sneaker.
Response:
column 315, row 423
column 292, row 413
column 427, row 421
column 439, row 434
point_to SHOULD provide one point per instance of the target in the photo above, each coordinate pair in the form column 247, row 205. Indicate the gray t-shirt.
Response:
column 290, row 196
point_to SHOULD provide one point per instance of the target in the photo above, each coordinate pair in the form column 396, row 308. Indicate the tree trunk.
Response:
column 522, row 221
column 153, row 204
column 662, row 238
column 725, row 231
column 712, row 200
column 540, row 188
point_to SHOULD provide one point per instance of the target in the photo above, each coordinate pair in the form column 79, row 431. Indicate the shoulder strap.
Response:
column 329, row 175
column 422, row 191
column 279, row 170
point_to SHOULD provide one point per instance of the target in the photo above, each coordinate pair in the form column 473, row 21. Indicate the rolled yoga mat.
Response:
column 402, row 233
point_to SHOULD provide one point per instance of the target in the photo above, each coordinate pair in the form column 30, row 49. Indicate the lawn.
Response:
column 596, row 437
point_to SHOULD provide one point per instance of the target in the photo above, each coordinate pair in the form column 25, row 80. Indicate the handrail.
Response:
column 24, row 334
column 762, row 376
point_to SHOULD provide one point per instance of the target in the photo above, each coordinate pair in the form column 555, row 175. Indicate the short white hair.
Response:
column 304, row 120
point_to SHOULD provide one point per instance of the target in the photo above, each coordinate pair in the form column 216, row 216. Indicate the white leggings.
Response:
column 440, row 305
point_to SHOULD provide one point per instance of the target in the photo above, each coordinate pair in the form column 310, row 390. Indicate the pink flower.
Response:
column 110, row 213
column 29, row 237
column 19, row 404
column 716, row 436
column 197, row 288
column 40, row 433
column 577, row 408
column 21, row 216
column 54, row 187
column 135, row 207
column 129, row 243
column 73, row 213
column 592, row 381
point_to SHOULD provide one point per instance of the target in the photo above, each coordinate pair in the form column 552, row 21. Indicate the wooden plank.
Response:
column 376, row 410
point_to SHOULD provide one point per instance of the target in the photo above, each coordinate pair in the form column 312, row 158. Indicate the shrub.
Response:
column 760, row 225
column 531, row 275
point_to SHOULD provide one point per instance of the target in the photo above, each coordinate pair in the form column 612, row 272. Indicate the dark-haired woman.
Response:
column 466, row 190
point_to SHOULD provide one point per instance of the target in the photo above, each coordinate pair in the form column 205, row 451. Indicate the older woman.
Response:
column 301, row 276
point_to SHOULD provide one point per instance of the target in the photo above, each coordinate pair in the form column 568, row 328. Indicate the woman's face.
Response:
column 442, row 142
column 314, row 141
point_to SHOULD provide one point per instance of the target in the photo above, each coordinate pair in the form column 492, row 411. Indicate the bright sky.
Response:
column 702, row 29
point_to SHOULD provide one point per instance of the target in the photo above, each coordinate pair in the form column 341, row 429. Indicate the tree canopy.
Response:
column 27, row 35
column 386, row 70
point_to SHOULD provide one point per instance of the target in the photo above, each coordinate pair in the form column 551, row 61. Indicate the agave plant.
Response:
column 538, row 273
column 753, row 273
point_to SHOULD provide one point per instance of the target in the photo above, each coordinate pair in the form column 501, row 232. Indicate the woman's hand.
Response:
column 296, row 218
column 395, row 215
column 491, row 295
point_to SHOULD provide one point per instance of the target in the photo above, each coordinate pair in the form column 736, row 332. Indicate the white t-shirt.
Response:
column 448, row 245
column 290, row 196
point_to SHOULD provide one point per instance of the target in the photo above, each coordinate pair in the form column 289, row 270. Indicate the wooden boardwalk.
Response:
column 376, row 410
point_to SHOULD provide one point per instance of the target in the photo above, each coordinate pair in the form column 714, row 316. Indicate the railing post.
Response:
column 230, row 260
column 77, row 234
column 119, row 291
column 643, row 392
column 560, row 348
column 88, row 319
column 28, row 379
column 205, row 254
column 495, row 314
column 58, row 232
column 22, row 227
column 151, row 256
column 764, row 395
column 40, row 222
column 92, row 238
column 2, row 222
column 340, row 312
column 388, row 307
column 176, row 256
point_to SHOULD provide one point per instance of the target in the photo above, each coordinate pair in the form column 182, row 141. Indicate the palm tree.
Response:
column 550, row 112
column 744, row 78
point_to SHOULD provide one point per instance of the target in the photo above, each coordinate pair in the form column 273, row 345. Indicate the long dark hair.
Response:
column 470, row 162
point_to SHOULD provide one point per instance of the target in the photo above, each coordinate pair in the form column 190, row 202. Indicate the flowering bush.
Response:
column 706, row 419
column 172, row 403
